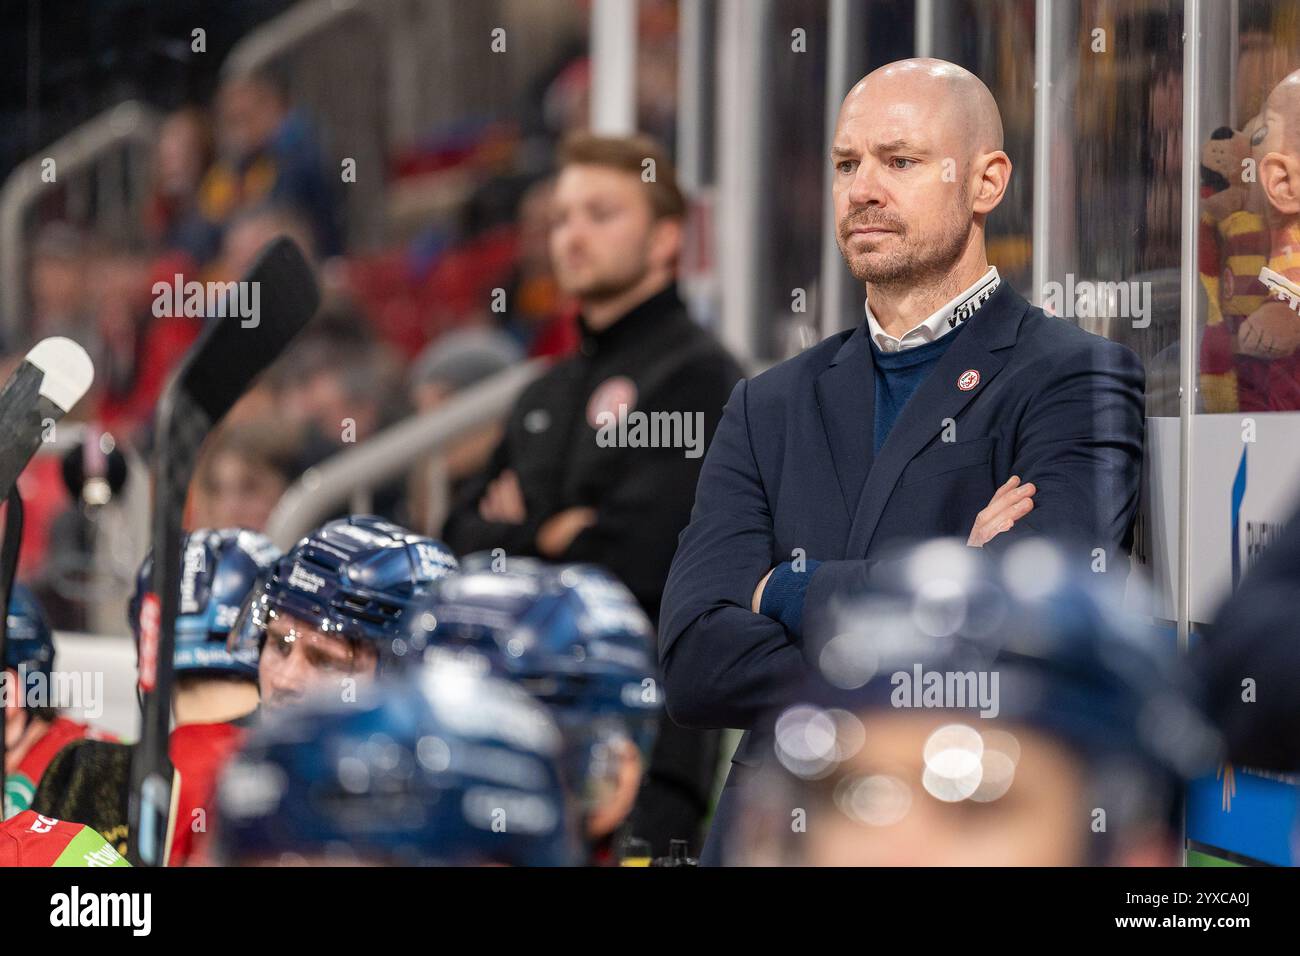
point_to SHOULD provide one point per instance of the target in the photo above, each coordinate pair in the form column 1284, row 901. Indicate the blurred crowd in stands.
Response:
column 402, row 328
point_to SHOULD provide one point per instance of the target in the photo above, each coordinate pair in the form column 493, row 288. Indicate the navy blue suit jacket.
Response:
column 791, row 467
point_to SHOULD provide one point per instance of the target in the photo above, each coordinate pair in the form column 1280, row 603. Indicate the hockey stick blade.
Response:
column 230, row 353
column 51, row 379
column 228, row 356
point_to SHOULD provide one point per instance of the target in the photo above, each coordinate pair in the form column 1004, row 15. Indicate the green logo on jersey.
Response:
column 88, row 848
column 18, row 795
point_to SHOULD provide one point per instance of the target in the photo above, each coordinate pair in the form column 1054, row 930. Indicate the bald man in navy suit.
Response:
column 955, row 408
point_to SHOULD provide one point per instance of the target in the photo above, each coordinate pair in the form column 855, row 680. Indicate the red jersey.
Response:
column 30, row 839
column 198, row 752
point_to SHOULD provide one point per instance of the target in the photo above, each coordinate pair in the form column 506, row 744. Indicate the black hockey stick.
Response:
column 8, row 568
column 229, row 354
column 52, row 378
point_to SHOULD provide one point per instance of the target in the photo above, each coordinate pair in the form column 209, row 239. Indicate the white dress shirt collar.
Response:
column 942, row 321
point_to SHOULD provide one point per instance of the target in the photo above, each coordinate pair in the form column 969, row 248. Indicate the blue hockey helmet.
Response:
column 356, row 577
column 1025, row 638
column 572, row 635
column 29, row 646
column 219, row 570
column 438, row 765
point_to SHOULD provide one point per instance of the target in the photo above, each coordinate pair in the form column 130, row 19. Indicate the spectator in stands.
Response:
column 133, row 349
column 658, row 36
column 267, row 152
column 58, row 285
column 341, row 395
column 335, row 395
column 249, row 231
column 244, row 471
column 555, row 487
column 334, row 386
column 456, row 361
column 537, row 315
column 182, row 156
column 566, row 102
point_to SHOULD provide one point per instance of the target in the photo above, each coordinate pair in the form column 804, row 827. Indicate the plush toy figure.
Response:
column 1234, row 245
column 1271, row 333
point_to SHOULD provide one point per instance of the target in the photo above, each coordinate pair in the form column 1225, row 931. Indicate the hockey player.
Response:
column 979, row 711
column 439, row 765
column 213, row 702
column 34, row 729
column 29, row 839
column 334, row 607
column 575, row 638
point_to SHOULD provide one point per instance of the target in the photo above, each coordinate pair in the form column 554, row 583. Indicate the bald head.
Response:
column 1283, row 108
column 1276, row 147
column 916, row 167
column 953, row 99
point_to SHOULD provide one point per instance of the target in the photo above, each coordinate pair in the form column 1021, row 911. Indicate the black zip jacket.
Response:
column 653, row 359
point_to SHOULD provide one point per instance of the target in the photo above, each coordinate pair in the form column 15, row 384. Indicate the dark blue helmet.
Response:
column 29, row 646
column 1070, row 659
column 219, row 569
column 439, row 765
column 355, row 576
column 571, row 635
column 1026, row 638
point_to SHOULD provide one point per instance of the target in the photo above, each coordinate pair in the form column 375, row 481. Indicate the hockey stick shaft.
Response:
column 8, row 570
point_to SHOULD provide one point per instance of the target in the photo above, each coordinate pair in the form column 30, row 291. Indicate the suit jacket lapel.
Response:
column 846, row 396
column 991, row 329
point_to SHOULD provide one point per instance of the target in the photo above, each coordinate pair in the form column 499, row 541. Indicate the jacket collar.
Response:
column 634, row 324
column 996, row 324
column 942, row 320
column 846, row 397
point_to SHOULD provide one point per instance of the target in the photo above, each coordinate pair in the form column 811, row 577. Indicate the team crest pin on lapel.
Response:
column 968, row 379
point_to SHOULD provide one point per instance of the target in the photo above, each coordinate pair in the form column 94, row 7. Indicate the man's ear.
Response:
column 994, row 175
column 1279, row 174
column 666, row 242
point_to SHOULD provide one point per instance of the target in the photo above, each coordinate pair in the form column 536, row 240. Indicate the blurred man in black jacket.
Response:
column 601, row 455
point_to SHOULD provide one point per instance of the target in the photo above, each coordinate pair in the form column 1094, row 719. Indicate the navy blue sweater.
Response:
column 898, row 376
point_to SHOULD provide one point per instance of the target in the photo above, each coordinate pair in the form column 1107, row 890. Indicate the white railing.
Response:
column 93, row 153
column 348, row 478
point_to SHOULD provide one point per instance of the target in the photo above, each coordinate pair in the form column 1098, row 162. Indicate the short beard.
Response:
column 612, row 284
column 912, row 267
column 606, row 288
